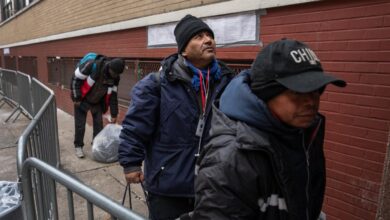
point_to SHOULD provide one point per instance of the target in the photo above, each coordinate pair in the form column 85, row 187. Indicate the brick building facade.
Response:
column 352, row 39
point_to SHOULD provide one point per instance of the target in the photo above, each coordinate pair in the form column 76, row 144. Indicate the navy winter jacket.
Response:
column 160, row 125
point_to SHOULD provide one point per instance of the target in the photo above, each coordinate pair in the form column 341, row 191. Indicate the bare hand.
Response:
column 113, row 120
column 134, row 177
column 77, row 103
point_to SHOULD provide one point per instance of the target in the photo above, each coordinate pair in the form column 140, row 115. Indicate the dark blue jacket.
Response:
column 160, row 125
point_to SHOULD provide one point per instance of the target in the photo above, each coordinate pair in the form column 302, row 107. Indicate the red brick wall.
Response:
column 128, row 43
column 352, row 39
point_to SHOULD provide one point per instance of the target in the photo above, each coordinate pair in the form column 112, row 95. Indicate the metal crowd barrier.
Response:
column 38, row 155
column 16, row 89
column 24, row 94
column 8, row 87
column 42, row 170
column 40, row 138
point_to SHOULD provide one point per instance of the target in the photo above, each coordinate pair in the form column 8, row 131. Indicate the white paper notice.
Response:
column 228, row 30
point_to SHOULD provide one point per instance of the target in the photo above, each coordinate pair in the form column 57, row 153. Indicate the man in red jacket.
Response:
column 94, row 88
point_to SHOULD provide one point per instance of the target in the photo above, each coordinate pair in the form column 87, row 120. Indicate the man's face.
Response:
column 200, row 50
column 295, row 109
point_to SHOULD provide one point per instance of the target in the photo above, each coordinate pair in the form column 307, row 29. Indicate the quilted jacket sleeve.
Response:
column 140, row 122
column 80, row 75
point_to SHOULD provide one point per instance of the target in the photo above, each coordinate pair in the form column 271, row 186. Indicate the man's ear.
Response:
column 183, row 53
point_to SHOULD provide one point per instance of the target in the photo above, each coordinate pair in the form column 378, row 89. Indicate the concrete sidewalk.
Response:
column 105, row 178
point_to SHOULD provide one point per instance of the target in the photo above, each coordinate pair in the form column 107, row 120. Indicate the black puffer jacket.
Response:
column 255, row 167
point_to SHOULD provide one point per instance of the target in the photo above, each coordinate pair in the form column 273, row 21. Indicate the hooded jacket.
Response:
column 92, row 84
column 160, row 125
column 256, row 167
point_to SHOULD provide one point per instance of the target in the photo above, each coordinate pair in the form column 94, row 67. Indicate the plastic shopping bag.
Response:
column 9, row 196
column 106, row 143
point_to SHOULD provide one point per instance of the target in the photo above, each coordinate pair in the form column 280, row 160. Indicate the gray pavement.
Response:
column 106, row 178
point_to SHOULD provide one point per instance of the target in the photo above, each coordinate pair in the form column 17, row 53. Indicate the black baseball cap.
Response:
column 293, row 65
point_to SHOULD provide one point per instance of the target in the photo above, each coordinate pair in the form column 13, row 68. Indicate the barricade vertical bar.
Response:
column 40, row 197
column 55, row 136
column 46, row 194
column 43, row 141
column 29, row 206
column 70, row 205
column 90, row 210
column 55, row 153
column 53, row 193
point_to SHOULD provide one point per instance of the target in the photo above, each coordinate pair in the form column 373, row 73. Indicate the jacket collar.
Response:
column 174, row 68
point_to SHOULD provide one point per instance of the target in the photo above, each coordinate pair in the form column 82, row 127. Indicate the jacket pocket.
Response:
column 171, row 168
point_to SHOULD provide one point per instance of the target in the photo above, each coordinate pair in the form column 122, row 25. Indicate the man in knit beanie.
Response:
column 265, row 159
column 94, row 88
column 169, row 117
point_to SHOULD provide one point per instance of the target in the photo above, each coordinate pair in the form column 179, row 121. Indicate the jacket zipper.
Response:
column 203, row 115
column 308, row 173
column 307, row 155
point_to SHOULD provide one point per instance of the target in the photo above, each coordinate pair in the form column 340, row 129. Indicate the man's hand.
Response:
column 113, row 120
column 134, row 177
column 77, row 103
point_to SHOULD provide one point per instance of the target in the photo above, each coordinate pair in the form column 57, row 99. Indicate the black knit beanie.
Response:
column 188, row 27
column 117, row 65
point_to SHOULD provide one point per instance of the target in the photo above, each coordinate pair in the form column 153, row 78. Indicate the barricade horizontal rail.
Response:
column 56, row 176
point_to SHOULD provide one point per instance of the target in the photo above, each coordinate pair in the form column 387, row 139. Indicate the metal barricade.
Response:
column 39, row 147
column 9, row 88
column 24, row 96
column 40, row 138
column 24, row 102
column 34, row 206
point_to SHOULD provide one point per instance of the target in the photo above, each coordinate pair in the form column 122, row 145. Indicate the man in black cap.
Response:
column 94, row 88
column 265, row 159
column 168, row 120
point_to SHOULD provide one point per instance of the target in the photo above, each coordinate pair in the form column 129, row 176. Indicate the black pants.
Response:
column 80, row 118
column 167, row 208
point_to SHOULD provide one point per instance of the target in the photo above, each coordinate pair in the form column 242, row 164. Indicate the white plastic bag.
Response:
column 106, row 143
column 9, row 196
